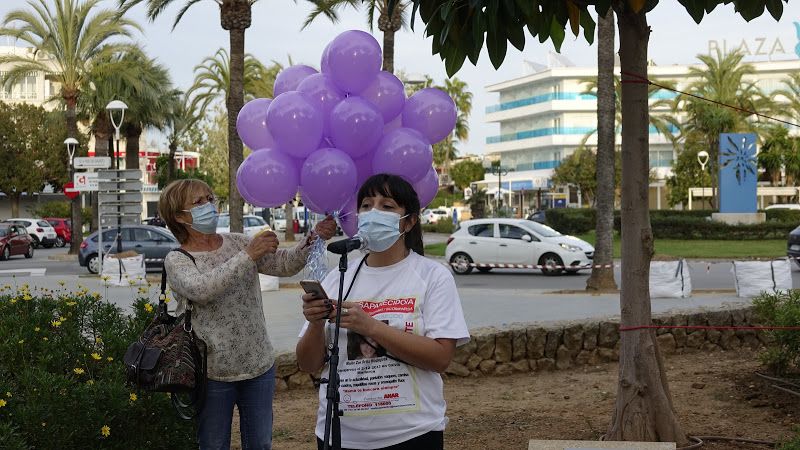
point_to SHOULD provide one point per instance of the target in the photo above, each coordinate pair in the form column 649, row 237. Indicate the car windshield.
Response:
column 4, row 231
column 224, row 221
column 279, row 213
column 542, row 230
column 43, row 223
column 53, row 222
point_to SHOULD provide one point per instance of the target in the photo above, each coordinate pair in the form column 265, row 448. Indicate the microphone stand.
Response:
column 332, row 413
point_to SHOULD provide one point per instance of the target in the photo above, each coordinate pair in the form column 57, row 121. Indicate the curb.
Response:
column 63, row 257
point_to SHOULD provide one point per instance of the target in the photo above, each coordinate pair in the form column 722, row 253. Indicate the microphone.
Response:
column 347, row 245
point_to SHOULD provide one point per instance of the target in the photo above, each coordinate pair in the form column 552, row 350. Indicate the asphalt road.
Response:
column 705, row 275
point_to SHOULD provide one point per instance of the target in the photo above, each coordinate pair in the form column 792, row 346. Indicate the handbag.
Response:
column 169, row 357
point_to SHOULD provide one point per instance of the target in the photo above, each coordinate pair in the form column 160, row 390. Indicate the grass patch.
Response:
column 435, row 249
column 770, row 248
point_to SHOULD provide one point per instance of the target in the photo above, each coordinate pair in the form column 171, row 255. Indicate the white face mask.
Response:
column 381, row 229
column 204, row 218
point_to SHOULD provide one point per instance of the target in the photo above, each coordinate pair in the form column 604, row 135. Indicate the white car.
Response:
column 434, row 215
column 252, row 224
column 517, row 242
column 43, row 234
column 783, row 206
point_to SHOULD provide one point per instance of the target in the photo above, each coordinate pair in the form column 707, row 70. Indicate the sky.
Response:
column 276, row 34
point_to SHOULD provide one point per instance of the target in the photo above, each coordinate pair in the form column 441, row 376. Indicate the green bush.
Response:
column 441, row 226
column 781, row 309
column 784, row 215
column 793, row 443
column 62, row 380
column 571, row 220
column 59, row 209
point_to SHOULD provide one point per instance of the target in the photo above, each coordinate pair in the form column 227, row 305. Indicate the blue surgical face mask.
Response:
column 381, row 229
column 204, row 218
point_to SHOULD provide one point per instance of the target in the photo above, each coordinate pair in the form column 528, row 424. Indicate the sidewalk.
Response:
column 482, row 307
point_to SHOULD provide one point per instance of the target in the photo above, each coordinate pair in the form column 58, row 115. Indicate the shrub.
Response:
column 571, row 220
column 59, row 209
column 784, row 215
column 62, row 381
column 781, row 309
column 441, row 226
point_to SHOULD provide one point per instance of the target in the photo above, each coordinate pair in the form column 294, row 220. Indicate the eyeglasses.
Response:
column 204, row 199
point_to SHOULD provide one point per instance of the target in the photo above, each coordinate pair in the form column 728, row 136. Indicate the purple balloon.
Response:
column 251, row 124
column 328, row 179
column 403, row 152
column 268, row 178
column 324, row 95
column 295, row 124
column 289, row 78
column 387, row 93
column 363, row 168
column 354, row 58
column 348, row 216
column 427, row 188
column 431, row 112
column 356, row 126
column 324, row 67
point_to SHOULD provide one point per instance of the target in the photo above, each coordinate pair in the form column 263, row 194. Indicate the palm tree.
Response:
column 212, row 78
column 791, row 94
column 388, row 25
column 602, row 278
column 722, row 79
column 458, row 91
column 182, row 116
column 236, row 17
column 72, row 35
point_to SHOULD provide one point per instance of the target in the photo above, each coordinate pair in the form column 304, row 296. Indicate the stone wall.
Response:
column 559, row 346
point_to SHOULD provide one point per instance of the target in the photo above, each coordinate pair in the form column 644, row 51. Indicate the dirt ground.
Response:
column 714, row 395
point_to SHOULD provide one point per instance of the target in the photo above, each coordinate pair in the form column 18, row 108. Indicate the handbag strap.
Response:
column 162, row 298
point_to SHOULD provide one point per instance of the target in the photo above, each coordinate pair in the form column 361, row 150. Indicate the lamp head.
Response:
column 702, row 158
column 116, row 105
column 70, row 141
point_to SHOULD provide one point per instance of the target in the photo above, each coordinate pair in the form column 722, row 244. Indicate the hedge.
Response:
column 669, row 224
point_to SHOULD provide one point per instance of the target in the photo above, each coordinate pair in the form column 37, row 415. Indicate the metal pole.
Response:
column 119, row 217
column 499, row 189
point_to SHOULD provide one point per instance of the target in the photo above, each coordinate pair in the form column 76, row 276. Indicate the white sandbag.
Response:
column 133, row 271
column 670, row 279
column 755, row 277
column 268, row 283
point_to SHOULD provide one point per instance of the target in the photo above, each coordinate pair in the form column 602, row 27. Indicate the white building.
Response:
column 544, row 115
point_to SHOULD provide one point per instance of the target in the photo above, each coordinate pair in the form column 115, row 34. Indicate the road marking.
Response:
column 23, row 272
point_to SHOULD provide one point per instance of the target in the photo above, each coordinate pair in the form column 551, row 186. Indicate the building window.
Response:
column 557, row 125
column 28, row 86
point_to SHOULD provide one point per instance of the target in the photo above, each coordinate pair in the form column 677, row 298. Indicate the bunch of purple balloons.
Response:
column 326, row 132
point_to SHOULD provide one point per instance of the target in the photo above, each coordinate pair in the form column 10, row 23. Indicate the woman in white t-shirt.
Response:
column 407, row 309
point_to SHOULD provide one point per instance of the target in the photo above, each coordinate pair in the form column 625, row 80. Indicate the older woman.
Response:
column 222, row 284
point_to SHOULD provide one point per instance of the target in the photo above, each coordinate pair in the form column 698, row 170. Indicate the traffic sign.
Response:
column 85, row 181
column 92, row 162
column 69, row 190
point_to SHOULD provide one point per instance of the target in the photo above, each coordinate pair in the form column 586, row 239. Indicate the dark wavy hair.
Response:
column 401, row 191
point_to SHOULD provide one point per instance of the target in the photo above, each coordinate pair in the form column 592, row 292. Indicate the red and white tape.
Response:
column 533, row 266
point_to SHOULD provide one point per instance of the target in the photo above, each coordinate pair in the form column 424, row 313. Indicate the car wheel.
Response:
column 60, row 242
column 572, row 271
column 47, row 245
column 5, row 254
column 461, row 264
column 29, row 253
column 552, row 263
column 484, row 269
column 35, row 241
column 93, row 264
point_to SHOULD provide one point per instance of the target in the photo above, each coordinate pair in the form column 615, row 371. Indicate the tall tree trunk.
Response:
column 289, row 222
column 132, row 134
column 602, row 278
column 235, row 17
column 173, row 148
column 14, row 197
column 643, row 410
column 388, row 50
column 72, row 131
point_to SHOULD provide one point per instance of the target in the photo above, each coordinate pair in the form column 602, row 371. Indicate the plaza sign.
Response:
column 759, row 46
column 92, row 162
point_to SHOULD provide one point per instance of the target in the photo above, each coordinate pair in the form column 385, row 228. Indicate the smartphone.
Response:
column 313, row 287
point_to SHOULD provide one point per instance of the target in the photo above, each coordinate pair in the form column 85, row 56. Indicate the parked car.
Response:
column 14, row 240
column 538, row 216
column 41, row 231
column 783, row 206
column 252, row 224
column 434, row 215
column 515, row 241
column 793, row 246
column 63, row 229
column 153, row 242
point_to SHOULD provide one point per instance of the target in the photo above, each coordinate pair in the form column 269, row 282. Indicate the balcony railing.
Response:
column 541, row 132
column 659, row 95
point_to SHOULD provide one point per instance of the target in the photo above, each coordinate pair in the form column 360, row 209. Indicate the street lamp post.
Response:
column 72, row 144
column 119, row 107
column 499, row 171
column 702, row 158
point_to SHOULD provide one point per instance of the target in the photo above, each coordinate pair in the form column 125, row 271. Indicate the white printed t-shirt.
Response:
column 386, row 402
